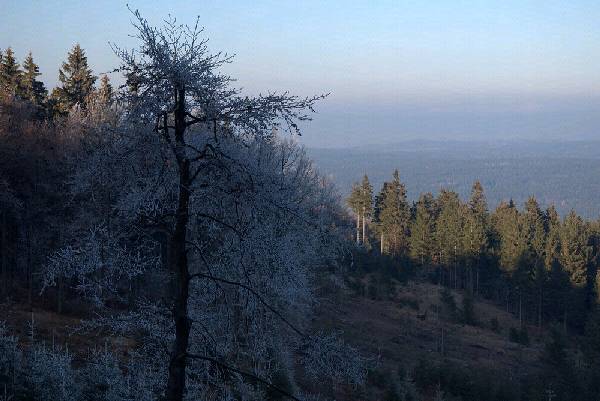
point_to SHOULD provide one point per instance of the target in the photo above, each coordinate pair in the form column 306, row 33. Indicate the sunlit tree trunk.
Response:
column 358, row 229
column 364, row 224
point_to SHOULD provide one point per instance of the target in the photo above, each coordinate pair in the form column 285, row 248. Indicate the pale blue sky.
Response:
column 395, row 69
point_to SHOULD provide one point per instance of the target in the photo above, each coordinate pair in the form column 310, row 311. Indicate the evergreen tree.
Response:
column 533, row 223
column 574, row 260
column 552, row 227
column 448, row 234
column 366, row 205
column 512, row 242
column 32, row 89
column 77, row 81
column 478, row 202
column 574, row 250
column 422, row 230
column 105, row 91
column 354, row 202
column 395, row 217
column 378, row 207
column 475, row 236
column 10, row 74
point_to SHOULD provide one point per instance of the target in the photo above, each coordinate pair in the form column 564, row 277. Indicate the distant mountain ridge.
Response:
column 566, row 174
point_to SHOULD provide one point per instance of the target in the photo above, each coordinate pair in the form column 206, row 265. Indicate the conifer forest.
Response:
column 165, row 235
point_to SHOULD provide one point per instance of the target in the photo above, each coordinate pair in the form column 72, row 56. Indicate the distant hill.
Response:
column 566, row 174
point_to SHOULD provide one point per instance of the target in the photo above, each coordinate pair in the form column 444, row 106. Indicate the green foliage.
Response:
column 394, row 217
column 10, row 74
column 574, row 249
column 422, row 231
column 76, row 81
column 449, row 226
column 32, row 89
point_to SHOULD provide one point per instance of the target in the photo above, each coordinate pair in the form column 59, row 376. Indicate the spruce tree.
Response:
column 378, row 207
column 10, row 74
column 77, row 81
column 422, row 230
column 533, row 223
column 552, row 227
column 354, row 202
column 366, row 205
column 512, row 241
column 105, row 91
column 478, row 202
column 574, row 250
column 395, row 217
column 449, row 226
column 574, row 260
column 475, row 233
column 32, row 89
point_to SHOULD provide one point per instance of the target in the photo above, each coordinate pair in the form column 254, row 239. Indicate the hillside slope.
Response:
column 399, row 333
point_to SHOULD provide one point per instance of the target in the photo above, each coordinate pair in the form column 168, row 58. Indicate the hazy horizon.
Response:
column 395, row 71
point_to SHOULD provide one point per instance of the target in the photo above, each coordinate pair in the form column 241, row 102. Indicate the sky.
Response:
column 395, row 70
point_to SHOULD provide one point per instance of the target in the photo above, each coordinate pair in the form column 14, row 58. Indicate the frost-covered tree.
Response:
column 219, row 219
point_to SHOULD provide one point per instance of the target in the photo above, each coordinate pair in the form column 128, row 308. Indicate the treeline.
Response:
column 76, row 83
column 541, row 267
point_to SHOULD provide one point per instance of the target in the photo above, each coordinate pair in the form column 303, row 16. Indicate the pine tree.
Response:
column 536, row 274
column 448, row 233
column 533, row 223
column 32, row 89
column 422, row 230
column 477, row 202
column 552, row 227
column 378, row 207
column 10, row 74
column 574, row 254
column 366, row 205
column 512, row 241
column 574, row 250
column 77, row 81
column 354, row 202
column 475, row 235
column 395, row 217
column 105, row 91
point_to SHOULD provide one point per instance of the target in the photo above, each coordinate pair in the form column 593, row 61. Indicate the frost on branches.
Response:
column 201, row 230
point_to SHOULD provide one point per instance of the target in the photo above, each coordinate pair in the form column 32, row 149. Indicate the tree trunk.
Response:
column 520, row 309
column 4, row 256
column 363, row 225
column 178, row 261
column 357, row 229
column 540, row 300
column 381, row 243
